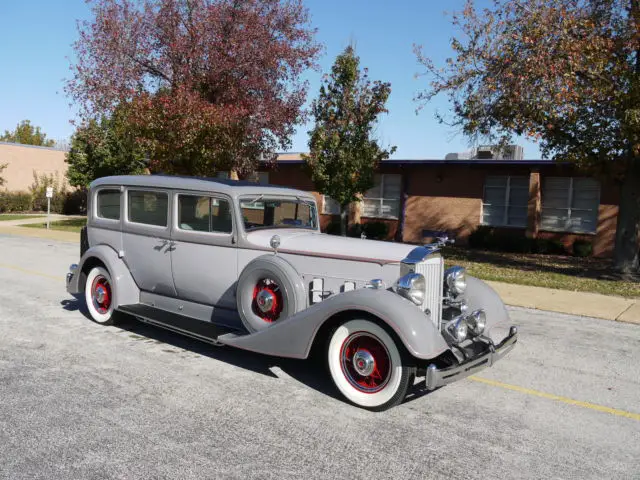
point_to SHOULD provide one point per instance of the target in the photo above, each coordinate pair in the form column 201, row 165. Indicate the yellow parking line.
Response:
column 558, row 398
column 30, row 272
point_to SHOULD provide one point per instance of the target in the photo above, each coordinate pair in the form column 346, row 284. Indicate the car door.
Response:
column 146, row 239
column 204, row 254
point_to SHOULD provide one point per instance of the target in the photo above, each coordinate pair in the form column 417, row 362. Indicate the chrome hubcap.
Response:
column 100, row 294
column 265, row 299
column 363, row 363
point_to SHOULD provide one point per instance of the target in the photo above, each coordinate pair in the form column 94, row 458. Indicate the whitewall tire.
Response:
column 98, row 293
column 366, row 365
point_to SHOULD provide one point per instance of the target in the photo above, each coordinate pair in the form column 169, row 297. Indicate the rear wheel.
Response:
column 99, row 296
column 366, row 365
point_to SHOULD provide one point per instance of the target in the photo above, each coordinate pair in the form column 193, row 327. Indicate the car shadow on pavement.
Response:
column 309, row 372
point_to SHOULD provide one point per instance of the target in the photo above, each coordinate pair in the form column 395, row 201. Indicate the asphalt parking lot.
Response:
column 78, row 400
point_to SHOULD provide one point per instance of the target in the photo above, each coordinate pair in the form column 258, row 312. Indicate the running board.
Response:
column 198, row 329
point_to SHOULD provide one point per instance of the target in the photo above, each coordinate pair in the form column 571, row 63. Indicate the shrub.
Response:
column 15, row 202
column 481, row 237
column 376, row 230
column 354, row 230
column 75, row 203
column 39, row 192
column 582, row 248
column 372, row 230
column 333, row 228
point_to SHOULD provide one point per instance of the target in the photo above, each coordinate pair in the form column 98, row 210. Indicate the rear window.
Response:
column 108, row 204
column 149, row 208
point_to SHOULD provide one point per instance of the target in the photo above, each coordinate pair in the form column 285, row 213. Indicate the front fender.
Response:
column 480, row 295
column 124, row 288
column 294, row 336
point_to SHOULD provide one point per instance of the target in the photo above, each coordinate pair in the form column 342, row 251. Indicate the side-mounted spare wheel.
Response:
column 367, row 366
column 269, row 289
column 98, row 294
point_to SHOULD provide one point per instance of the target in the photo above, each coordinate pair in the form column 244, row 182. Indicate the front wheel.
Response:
column 99, row 296
column 366, row 365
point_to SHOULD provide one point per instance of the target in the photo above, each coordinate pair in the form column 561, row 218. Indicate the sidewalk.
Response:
column 12, row 227
column 574, row 303
column 562, row 301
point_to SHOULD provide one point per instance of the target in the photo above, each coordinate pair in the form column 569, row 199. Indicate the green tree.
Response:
column 343, row 153
column 27, row 134
column 563, row 72
column 102, row 148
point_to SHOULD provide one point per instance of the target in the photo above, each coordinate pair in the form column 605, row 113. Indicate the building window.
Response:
column 108, row 205
column 505, row 201
column 570, row 204
column 259, row 177
column 383, row 200
column 149, row 208
column 330, row 206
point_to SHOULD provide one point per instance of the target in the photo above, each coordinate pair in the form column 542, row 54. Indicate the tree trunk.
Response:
column 344, row 219
column 626, row 254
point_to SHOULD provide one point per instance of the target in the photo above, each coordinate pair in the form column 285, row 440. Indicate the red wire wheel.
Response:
column 267, row 300
column 101, row 294
column 365, row 362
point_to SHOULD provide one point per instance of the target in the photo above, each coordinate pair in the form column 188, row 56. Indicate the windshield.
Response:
column 260, row 212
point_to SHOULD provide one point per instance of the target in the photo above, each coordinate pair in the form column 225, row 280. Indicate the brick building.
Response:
column 534, row 198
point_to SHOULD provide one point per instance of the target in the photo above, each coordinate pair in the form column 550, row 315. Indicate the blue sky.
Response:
column 35, row 48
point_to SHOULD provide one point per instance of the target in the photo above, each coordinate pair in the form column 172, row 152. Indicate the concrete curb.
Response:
column 561, row 301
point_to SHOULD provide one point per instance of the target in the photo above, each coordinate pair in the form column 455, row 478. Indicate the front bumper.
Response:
column 437, row 378
column 71, row 284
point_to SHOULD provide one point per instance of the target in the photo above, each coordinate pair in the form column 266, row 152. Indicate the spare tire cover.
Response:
column 269, row 289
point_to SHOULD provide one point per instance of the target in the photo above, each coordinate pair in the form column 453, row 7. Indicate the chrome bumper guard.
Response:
column 438, row 378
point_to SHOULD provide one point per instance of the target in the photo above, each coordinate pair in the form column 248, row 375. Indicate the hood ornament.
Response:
column 418, row 254
column 275, row 243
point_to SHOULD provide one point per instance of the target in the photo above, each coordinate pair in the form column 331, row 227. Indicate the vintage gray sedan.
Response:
column 245, row 265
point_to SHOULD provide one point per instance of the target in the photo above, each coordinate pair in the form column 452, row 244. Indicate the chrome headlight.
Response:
column 413, row 287
column 477, row 321
column 456, row 280
column 458, row 330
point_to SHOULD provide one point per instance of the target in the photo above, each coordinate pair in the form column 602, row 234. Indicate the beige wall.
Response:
column 23, row 160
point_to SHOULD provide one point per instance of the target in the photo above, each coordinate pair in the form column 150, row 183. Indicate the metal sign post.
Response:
column 49, row 195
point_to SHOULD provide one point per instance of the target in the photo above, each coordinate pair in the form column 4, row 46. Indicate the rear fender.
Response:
column 124, row 288
column 294, row 336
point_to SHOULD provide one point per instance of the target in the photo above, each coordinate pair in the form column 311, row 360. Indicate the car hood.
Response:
column 331, row 246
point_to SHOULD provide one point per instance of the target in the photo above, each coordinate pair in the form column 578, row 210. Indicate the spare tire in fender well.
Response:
column 294, row 296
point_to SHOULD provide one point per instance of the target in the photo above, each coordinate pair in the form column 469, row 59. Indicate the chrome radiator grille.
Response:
column 433, row 269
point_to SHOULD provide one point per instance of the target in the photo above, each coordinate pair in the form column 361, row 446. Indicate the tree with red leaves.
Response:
column 564, row 72
column 205, row 85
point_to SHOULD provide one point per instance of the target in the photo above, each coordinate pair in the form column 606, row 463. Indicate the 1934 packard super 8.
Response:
column 246, row 265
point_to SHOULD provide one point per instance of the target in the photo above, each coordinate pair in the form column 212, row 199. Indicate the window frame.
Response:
column 507, row 205
column 324, row 204
column 211, row 197
column 148, row 225
column 383, row 198
column 94, row 208
column 569, row 209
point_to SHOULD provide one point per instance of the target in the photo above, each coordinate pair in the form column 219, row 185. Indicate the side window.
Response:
column 203, row 214
column 108, row 204
column 150, row 208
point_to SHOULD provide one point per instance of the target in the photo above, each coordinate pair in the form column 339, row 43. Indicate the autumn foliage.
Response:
column 563, row 72
column 205, row 85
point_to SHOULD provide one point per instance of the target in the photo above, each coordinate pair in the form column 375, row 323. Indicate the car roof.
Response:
column 233, row 188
